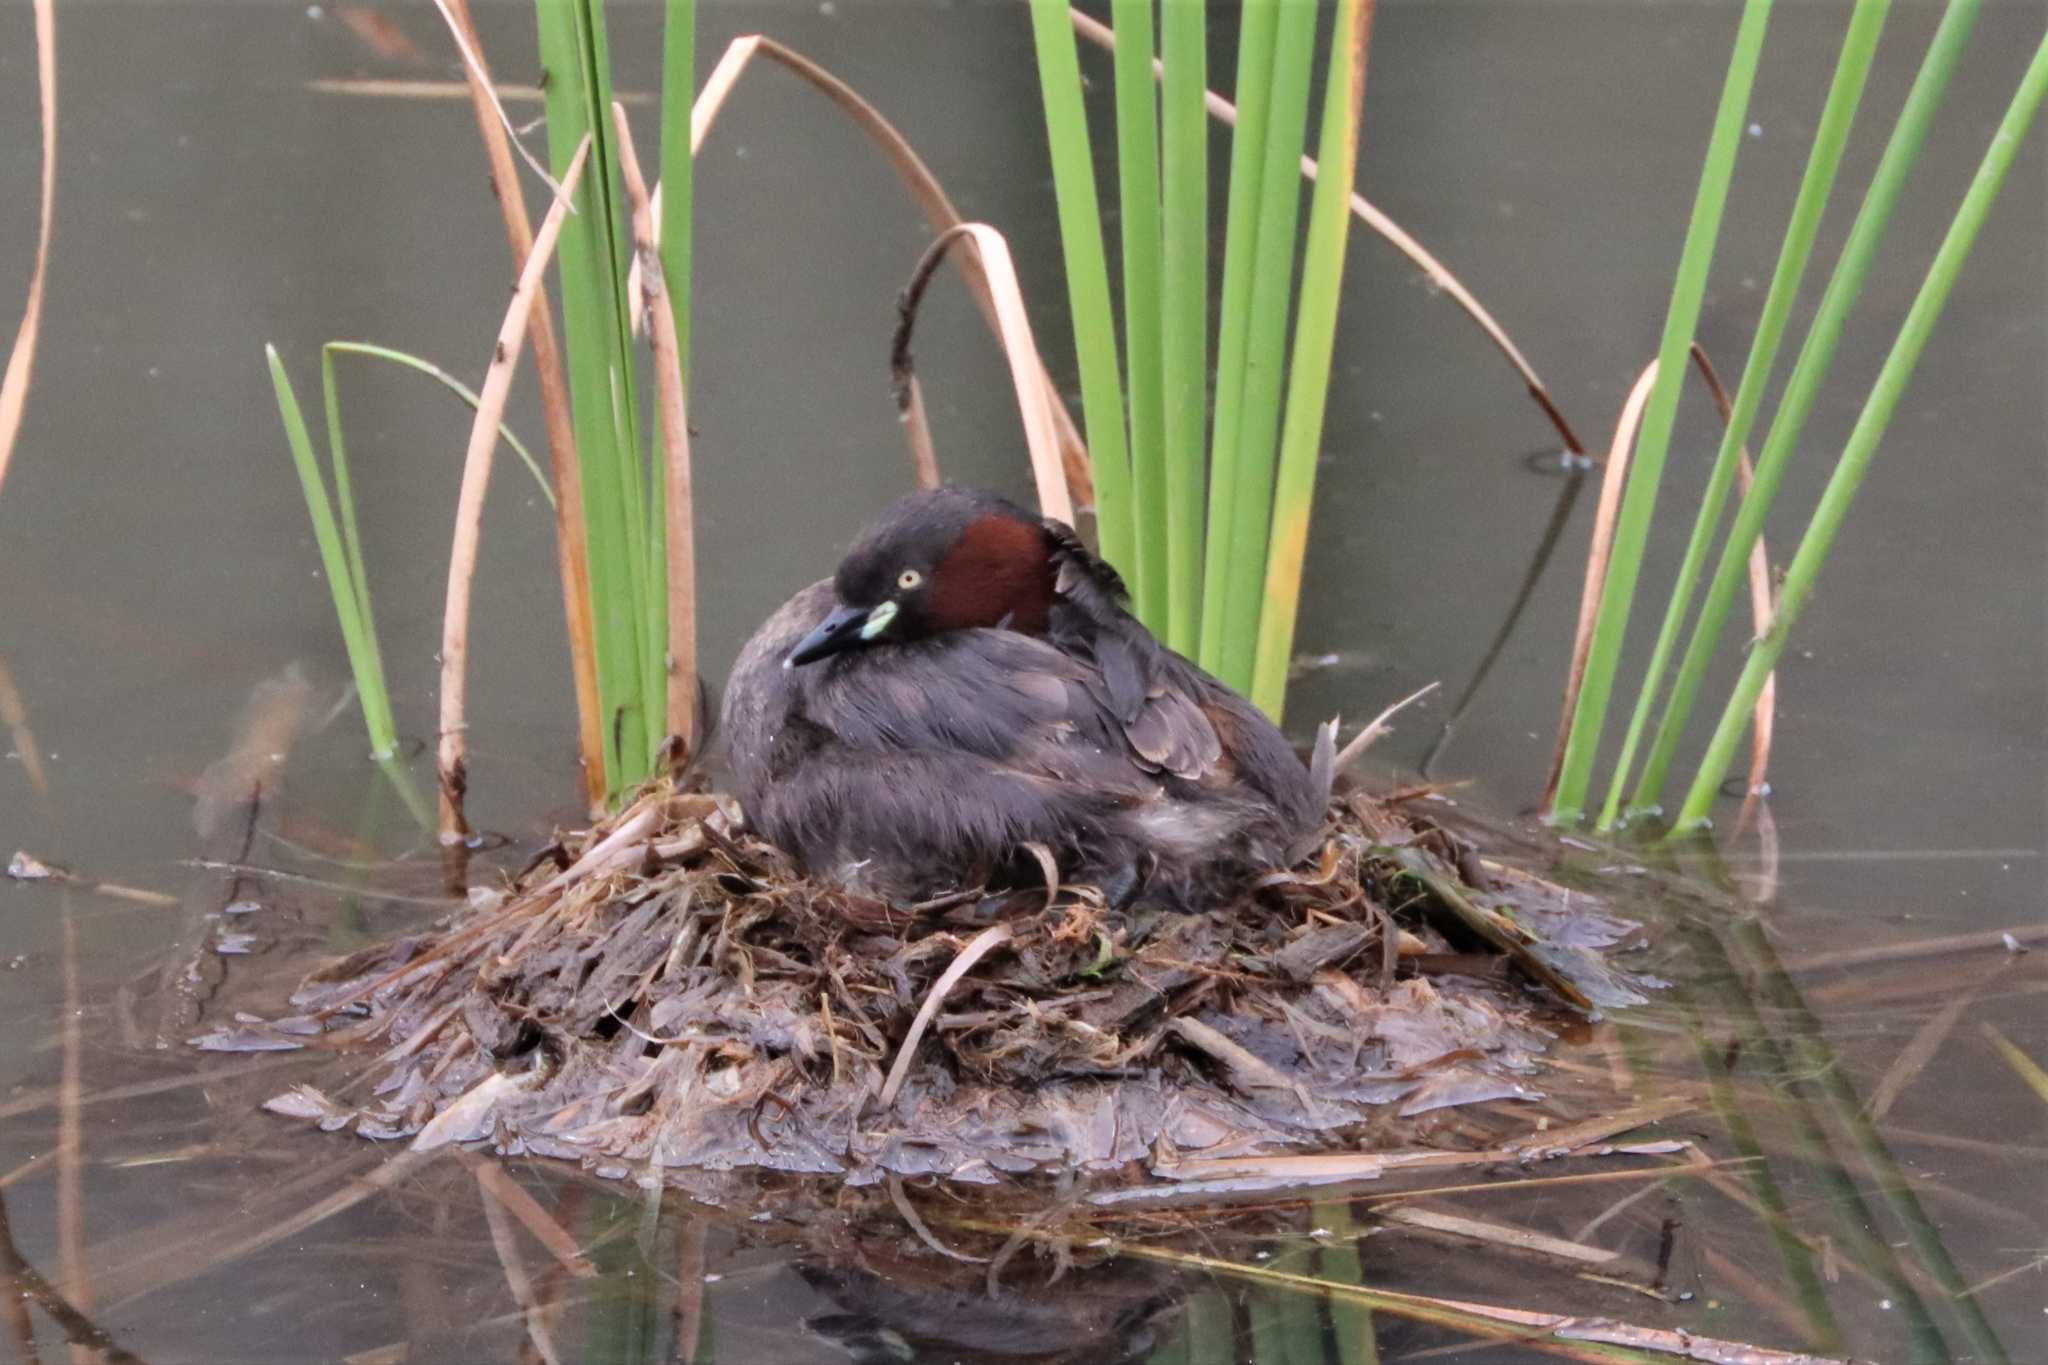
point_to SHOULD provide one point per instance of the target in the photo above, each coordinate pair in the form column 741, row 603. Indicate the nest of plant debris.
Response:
column 664, row 990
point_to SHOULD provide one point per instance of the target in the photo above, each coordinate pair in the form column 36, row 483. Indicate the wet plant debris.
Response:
column 665, row 990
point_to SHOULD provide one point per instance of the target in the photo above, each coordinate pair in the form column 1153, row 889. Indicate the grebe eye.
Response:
column 909, row 579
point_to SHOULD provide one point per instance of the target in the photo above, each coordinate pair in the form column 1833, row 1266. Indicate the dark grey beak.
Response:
column 842, row 630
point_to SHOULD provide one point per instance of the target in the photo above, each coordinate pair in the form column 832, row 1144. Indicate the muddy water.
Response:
column 155, row 572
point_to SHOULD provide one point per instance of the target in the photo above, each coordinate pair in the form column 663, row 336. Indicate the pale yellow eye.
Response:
column 909, row 579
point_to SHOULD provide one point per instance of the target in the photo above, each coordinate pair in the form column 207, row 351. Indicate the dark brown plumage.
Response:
column 970, row 683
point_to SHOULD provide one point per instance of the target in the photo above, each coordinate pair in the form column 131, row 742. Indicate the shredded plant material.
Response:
column 665, row 990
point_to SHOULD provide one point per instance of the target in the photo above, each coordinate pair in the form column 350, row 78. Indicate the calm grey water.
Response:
column 155, row 562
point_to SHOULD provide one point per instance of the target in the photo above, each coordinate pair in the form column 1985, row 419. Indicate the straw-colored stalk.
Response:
column 1632, row 527
column 21, row 360
column 1035, row 399
column 678, row 504
column 476, row 477
column 917, row 178
column 1864, row 438
column 14, row 715
column 1612, row 482
column 1315, row 337
column 571, row 551
column 1440, row 278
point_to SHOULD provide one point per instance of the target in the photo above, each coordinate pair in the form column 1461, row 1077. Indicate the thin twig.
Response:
column 979, row 947
column 81, row 1331
column 476, row 478
column 678, row 506
column 571, row 546
column 21, row 360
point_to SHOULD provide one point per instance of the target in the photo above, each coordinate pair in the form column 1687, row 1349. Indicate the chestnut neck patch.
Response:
column 999, row 569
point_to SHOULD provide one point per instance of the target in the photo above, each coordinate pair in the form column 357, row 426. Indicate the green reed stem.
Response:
column 593, row 257
column 1864, row 438
column 678, row 96
column 1137, row 161
column 1184, row 180
column 1809, row 372
column 1654, row 441
column 1315, row 337
column 1250, row 500
column 1823, row 161
column 1248, row 156
column 340, row 557
column 1124, row 488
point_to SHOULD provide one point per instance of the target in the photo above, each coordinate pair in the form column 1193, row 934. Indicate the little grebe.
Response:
column 970, row 683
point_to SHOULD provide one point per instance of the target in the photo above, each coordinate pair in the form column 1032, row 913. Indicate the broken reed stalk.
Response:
column 678, row 504
column 1861, row 447
column 1035, row 400
column 517, row 1281
column 1309, row 360
column 1439, row 275
column 21, row 360
column 571, row 549
column 917, row 178
column 1824, row 159
column 1612, row 482
column 1632, row 527
column 476, row 476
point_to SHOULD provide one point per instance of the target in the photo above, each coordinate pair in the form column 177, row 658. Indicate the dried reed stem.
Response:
column 1036, row 400
column 1597, row 554
column 1377, row 730
column 924, row 187
column 677, row 506
column 476, row 478
column 979, row 947
column 571, row 549
column 77, row 1273
column 14, row 715
column 21, row 360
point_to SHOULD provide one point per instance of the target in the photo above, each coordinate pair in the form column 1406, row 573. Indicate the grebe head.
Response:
column 938, row 560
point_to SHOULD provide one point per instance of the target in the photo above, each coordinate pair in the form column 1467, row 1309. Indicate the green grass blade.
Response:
column 1864, row 438
column 1120, row 486
column 678, row 95
column 345, row 500
column 348, row 606
column 1315, row 337
column 1823, row 161
column 454, row 386
column 1138, row 204
column 1255, row 36
column 1809, row 372
column 1659, row 414
column 1184, row 125
column 1249, row 508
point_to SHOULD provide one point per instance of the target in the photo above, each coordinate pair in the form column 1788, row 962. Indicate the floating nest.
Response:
column 665, row 991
